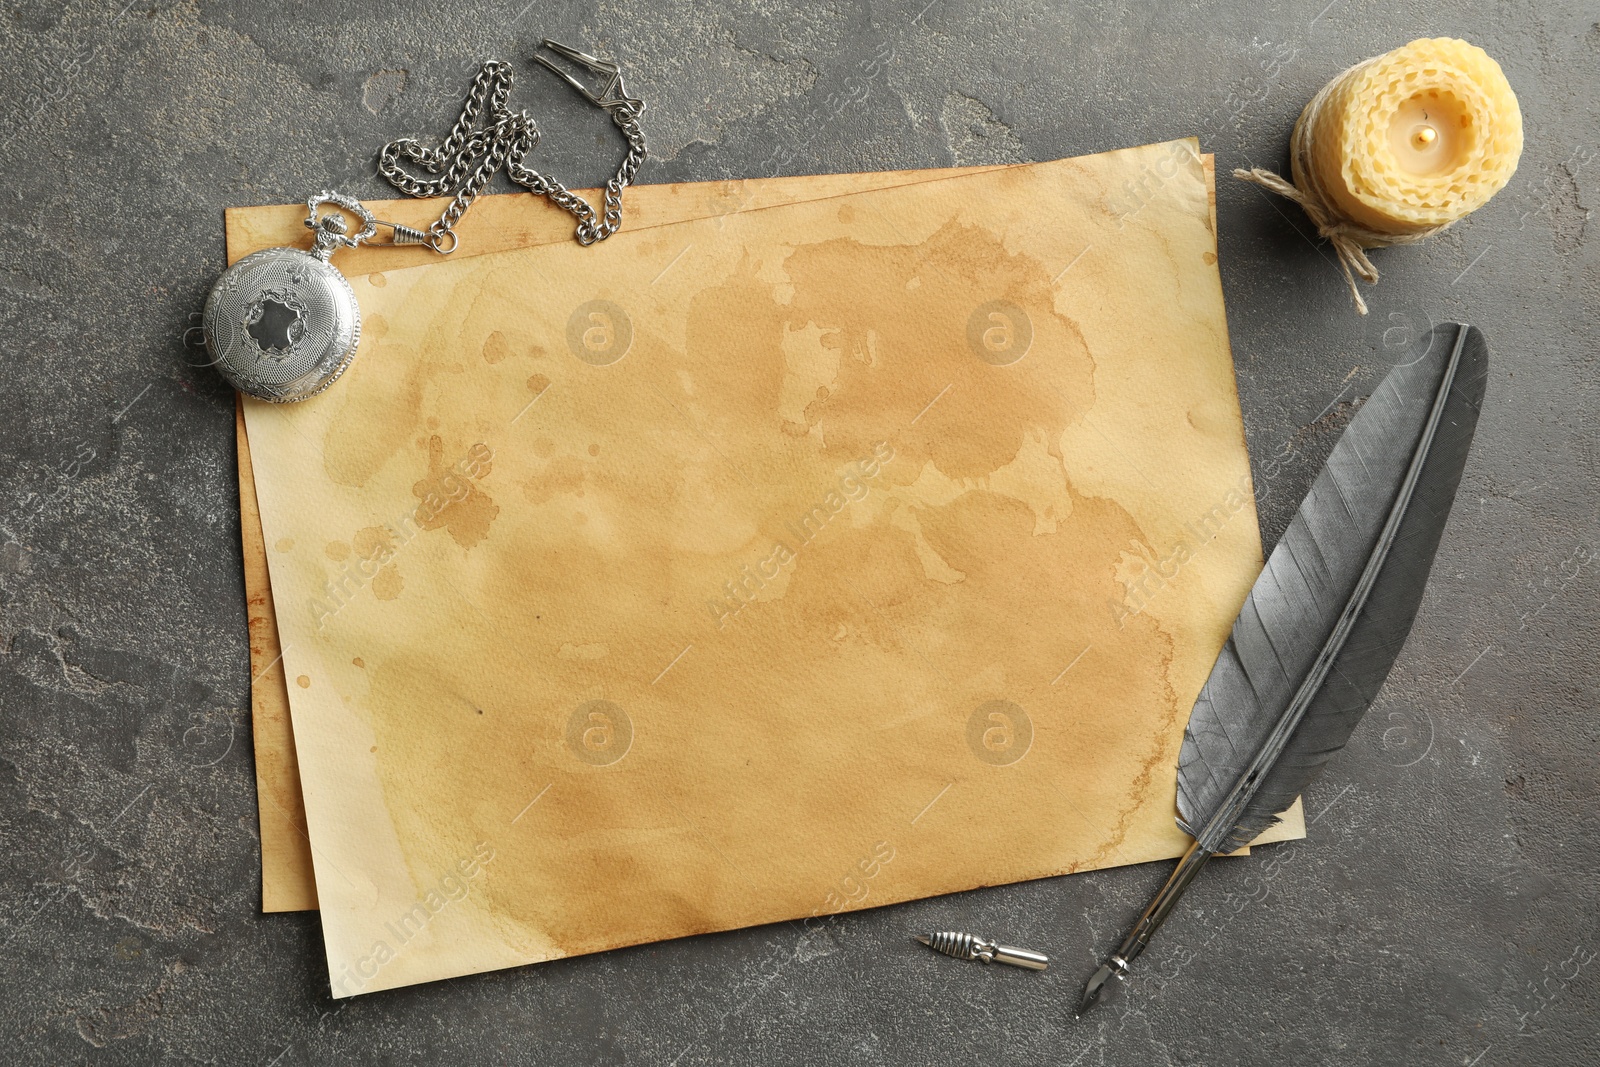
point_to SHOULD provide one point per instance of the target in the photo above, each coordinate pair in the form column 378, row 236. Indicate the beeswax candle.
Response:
column 1417, row 138
column 1399, row 147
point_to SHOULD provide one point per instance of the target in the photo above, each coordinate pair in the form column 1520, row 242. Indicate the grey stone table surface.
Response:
column 1444, row 908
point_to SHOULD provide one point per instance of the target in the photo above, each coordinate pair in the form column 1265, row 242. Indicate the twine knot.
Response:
column 1349, row 238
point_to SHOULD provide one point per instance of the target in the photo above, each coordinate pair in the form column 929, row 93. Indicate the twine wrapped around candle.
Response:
column 1399, row 147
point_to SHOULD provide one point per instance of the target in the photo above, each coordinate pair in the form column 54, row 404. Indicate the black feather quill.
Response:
column 1328, row 615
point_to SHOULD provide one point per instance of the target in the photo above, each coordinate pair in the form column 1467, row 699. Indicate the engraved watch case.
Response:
column 282, row 324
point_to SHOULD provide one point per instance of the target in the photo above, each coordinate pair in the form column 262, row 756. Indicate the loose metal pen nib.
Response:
column 972, row 947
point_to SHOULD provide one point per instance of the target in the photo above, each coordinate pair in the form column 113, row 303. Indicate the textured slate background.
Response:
column 1443, row 910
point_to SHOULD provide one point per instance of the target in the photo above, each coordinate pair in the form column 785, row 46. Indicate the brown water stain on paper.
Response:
column 451, row 500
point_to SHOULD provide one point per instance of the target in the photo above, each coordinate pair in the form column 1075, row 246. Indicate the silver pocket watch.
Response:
column 283, row 324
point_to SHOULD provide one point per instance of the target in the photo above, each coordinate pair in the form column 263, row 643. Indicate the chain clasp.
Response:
column 613, row 96
column 442, row 239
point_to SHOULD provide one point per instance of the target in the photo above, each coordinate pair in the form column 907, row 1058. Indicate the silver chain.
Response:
column 470, row 156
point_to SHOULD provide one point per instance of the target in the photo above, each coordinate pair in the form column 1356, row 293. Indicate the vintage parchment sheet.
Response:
column 782, row 562
column 497, row 223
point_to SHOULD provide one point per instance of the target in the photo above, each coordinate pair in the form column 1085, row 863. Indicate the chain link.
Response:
column 469, row 157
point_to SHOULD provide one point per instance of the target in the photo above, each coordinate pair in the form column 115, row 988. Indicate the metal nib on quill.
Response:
column 972, row 947
column 1106, row 983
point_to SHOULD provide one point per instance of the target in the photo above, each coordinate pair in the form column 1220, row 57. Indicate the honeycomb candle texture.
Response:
column 1400, row 146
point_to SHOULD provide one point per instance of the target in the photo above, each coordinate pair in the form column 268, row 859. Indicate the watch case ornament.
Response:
column 283, row 324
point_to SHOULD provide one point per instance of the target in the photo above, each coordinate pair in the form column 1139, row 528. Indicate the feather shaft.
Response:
column 1326, row 619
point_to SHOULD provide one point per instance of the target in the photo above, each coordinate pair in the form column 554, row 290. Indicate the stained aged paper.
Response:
column 496, row 223
column 745, row 569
